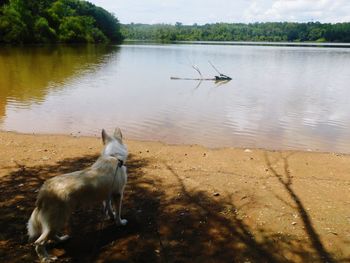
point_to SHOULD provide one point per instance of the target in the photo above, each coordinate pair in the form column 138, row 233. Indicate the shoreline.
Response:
column 242, row 43
column 223, row 204
column 79, row 135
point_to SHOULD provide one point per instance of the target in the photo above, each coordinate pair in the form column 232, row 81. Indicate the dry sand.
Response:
column 186, row 203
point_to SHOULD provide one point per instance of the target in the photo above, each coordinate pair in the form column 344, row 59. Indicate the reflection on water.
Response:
column 280, row 97
column 27, row 74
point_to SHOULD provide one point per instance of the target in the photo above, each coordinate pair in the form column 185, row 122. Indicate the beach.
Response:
column 185, row 203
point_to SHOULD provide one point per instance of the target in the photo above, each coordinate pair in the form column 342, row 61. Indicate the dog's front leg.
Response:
column 118, row 198
column 108, row 209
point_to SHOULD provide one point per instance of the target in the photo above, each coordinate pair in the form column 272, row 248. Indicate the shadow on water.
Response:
column 163, row 226
column 28, row 74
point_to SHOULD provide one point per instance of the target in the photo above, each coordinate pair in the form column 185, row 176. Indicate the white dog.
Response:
column 104, row 182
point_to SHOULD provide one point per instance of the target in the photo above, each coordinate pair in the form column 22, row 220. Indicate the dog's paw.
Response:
column 62, row 238
column 49, row 259
column 122, row 222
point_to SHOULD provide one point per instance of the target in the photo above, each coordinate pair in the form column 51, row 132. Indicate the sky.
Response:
column 231, row 11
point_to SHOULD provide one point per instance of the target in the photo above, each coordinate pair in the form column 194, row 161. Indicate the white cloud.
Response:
column 209, row 11
column 300, row 11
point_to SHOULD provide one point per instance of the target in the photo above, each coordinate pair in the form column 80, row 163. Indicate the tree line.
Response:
column 69, row 21
column 51, row 21
column 273, row 31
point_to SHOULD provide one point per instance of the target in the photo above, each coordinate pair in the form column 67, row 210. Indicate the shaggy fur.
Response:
column 104, row 182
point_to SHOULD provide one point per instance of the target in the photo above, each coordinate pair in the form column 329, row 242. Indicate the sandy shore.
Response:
column 186, row 203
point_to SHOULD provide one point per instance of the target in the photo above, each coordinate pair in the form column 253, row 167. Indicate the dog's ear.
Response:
column 105, row 137
column 118, row 134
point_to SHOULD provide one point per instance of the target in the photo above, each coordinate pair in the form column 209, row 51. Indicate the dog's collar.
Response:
column 120, row 163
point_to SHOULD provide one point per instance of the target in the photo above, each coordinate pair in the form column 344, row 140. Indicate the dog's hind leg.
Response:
column 40, row 246
column 118, row 198
column 53, row 219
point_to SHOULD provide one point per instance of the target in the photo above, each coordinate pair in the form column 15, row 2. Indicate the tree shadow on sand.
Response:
column 286, row 181
column 91, row 232
column 163, row 227
column 212, row 230
column 18, row 194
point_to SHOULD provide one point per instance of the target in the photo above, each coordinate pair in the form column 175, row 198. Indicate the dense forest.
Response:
column 278, row 31
column 69, row 21
column 51, row 21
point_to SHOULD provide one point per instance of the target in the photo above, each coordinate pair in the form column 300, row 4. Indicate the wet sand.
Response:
column 185, row 203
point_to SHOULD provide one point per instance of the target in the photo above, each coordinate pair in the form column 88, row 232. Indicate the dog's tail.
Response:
column 34, row 225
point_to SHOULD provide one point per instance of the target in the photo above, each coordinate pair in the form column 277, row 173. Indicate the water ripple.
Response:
column 280, row 98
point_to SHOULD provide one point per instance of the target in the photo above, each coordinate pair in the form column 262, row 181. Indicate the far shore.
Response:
column 187, row 202
column 245, row 43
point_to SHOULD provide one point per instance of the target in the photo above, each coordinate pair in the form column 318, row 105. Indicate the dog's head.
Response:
column 114, row 145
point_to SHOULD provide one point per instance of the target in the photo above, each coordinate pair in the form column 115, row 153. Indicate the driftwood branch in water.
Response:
column 211, row 64
column 177, row 78
column 221, row 76
column 197, row 69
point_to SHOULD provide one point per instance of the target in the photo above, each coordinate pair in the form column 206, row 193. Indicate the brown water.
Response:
column 279, row 98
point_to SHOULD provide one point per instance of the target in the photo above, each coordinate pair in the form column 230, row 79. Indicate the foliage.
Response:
column 43, row 32
column 12, row 26
column 277, row 31
column 43, row 21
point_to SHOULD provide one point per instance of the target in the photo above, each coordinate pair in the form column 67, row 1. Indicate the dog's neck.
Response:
column 117, row 150
column 120, row 161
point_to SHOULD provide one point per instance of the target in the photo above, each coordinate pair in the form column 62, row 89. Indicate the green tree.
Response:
column 41, row 21
column 43, row 32
column 12, row 27
column 275, row 31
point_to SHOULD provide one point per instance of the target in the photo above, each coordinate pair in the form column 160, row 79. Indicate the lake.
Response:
column 280, row 97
